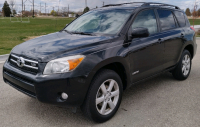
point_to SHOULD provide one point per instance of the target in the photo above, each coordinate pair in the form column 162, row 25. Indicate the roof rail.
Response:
column 159, row 4
column 124, row 4
column 144, row 4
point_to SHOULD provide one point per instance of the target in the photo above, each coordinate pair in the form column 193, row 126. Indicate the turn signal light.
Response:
column 74, row 63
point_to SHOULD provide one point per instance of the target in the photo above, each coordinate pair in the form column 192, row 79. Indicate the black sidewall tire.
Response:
column 91, row 103
column 177, row 73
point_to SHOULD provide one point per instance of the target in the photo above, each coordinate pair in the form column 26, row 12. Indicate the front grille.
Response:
column 27, row 92
column 20, row 83
column 19, row 77
column 29, row 66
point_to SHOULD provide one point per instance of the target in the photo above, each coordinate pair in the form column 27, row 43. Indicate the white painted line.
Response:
column 2, row 62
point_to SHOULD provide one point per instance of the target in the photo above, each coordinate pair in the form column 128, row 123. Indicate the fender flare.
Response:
column 108, row 61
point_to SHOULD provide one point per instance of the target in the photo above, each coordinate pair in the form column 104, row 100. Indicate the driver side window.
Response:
column 146, row 19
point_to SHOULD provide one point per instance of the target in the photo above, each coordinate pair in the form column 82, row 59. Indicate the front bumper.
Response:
column 47, row 88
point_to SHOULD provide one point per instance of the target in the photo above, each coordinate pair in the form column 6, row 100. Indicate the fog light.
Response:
column 64, row 96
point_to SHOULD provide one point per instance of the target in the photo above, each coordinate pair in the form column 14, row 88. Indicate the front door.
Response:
column 146, row 54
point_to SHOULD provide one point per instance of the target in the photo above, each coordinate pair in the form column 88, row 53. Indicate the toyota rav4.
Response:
column 97, row 56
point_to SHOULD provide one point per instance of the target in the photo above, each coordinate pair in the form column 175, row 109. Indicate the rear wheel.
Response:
column 104, row 96
column 182, row 71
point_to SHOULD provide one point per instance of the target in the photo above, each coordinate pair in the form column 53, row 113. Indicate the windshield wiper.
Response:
column 67, row 31
column 83, row 33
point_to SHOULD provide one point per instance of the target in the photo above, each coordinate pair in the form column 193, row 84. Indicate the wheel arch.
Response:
column 190, row 48
column 117, row 64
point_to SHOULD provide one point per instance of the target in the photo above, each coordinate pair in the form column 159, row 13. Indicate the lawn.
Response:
column 196, row 21
column 14, row 33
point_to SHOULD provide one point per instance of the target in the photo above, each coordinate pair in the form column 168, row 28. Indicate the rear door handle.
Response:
column 182, row 35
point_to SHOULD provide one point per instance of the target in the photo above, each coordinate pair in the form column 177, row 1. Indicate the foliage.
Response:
column 6, row 9
column 77, row 15
column 198, row 12
column 53, row 12
column 86, row 9
column 188, row 12
column 14, row 12
column 195, row 14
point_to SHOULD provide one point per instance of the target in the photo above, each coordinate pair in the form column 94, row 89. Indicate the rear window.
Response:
column 181, row 18
column 166, row 19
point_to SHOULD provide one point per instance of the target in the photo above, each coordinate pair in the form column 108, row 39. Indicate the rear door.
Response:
column 172, row 36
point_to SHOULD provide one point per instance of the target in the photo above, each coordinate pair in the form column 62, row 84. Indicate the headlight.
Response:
column 63, row 65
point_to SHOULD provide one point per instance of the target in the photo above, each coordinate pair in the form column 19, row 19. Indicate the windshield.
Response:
column 100, row 22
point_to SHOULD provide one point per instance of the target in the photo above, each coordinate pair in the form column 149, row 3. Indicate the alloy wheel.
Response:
column 107, row 97
column 186, row 65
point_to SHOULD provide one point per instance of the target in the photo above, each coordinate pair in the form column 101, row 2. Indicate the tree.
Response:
column 53, row 12
column 14, row 12
column 198, row 12
column 188, row 12
column 86, row 9
column 12, row 4
column 6, row 9
column 194, row 13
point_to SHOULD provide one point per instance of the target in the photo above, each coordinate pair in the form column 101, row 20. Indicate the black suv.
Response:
column 100, row 54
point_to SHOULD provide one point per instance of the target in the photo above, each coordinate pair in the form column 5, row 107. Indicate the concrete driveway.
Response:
column 159, row 102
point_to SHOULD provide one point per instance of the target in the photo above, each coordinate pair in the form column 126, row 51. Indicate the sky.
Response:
column 78, row 5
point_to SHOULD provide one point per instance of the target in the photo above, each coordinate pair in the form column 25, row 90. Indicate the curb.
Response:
column 3, row 58
column 4, row 55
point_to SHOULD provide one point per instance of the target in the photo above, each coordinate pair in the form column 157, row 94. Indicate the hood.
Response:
column 55, row 44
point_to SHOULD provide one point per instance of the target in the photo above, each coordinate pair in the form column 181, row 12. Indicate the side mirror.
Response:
column 140, row 32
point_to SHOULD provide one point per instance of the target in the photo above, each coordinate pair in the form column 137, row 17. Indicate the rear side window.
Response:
column 166, row 19
column 181, row 18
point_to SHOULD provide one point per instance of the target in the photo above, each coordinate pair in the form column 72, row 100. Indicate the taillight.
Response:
column 192, row 28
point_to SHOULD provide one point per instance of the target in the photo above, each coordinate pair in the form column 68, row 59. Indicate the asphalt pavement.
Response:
column 158, row 102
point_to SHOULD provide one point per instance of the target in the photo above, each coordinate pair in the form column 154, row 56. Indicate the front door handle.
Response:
column 160, row 40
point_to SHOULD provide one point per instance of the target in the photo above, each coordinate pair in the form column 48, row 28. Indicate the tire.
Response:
column 93, row 107
column 182, row 71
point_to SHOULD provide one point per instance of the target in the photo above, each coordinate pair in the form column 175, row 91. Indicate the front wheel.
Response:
column 104, row 96
column 182, row 71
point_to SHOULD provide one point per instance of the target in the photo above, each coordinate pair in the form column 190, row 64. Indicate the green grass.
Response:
column 196, row 21
column 14, row 33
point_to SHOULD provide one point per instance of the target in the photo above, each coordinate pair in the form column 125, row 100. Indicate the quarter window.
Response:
column 146, row 19
column 166, row 19
column 181, row 18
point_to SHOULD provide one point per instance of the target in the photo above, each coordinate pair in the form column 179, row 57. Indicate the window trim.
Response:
column 160, row 22
column 177, row 18
column 146, row 9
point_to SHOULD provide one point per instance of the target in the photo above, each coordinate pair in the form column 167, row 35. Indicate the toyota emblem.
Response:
column 20, row 62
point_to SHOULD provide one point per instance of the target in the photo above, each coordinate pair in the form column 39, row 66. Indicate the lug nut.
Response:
column 64, row 96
